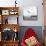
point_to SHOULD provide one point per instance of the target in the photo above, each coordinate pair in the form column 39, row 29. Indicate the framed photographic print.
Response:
column 30, row 13
column 13, row 12
column 5, row 12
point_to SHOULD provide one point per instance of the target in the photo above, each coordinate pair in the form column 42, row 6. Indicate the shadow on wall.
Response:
column 37, row 29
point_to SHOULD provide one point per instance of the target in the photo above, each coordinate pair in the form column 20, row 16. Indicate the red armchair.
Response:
column 29, row 33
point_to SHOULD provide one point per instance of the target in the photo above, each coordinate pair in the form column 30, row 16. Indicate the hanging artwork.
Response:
column 5, row 12
column 30, row 13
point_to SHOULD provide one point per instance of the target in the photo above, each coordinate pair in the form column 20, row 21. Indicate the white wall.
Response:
column 24, row 4
column 7, row 3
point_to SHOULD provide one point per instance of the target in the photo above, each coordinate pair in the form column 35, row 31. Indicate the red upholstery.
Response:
column 29, row 33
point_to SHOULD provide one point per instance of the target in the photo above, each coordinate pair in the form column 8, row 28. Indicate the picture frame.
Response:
column 5, row 12
column 13, row 12
column 30, row 13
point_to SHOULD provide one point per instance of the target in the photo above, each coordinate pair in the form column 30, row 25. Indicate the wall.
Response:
column 6, row 3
